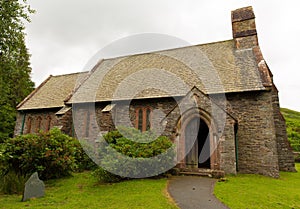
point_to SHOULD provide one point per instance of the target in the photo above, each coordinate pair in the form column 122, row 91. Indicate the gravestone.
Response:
column 34, row 188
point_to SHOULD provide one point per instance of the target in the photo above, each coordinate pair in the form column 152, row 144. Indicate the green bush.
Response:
column 138, row 155
column 83, row 161
column 137, row 145
column 12, row 183
column 52, row 154
column 104, row 176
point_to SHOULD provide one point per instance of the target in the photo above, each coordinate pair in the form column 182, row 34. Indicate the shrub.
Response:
column 52, row 154
column 136, row 158
column 83, row 161
column 12, row 183
column 138, row 144
column 105, row 176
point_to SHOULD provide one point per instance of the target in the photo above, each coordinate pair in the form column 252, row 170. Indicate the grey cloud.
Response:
column 65, row 34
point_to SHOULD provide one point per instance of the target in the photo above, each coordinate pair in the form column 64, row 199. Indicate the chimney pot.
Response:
column 241, row 14
column 244, row 28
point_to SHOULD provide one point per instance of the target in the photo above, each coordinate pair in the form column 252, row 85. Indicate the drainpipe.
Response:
column 236, row 146
column 23, row 123
column 73, row 130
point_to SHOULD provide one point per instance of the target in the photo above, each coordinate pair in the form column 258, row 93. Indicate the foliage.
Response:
column 12, row 183
column 137, row 144
column 81, row 191
column 15, row 83
column 83, row 161
column 256, row 191
column 103, row 175
column 292, row 119
column 52, row 154
column 137, row 155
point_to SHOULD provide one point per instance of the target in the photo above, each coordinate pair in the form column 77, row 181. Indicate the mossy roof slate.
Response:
column 52, row 92
column 213, row 68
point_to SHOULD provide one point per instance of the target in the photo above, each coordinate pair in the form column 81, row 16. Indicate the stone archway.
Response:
column 198, row 147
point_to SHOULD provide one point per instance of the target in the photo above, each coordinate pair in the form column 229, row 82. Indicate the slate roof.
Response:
column 213, row 68
column 52, row 92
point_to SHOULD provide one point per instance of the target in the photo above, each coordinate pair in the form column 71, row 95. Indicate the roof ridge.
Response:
column 70, row 74
column 165, row 50
column 91, row 72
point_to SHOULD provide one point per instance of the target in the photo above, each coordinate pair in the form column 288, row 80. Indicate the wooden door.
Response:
column 191, row 143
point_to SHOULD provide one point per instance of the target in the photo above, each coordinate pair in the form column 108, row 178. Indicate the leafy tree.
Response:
column 15, row 82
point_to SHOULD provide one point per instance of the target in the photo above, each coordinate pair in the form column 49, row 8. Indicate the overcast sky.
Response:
column 65, row 34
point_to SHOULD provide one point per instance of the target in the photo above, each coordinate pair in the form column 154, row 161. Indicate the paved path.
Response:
column 193, row 192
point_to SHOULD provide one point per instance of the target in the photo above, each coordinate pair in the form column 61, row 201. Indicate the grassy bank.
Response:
column 256, row 191
column 292, row 119
column 81, row 191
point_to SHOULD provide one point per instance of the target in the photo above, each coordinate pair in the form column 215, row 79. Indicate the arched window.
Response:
column 143, row 119
column 38, row 124
column 148, row 119
column 28, row 125
column 140, row 120
column 48, row 123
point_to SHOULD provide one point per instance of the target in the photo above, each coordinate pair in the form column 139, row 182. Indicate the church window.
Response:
column 143, row 119
column 48, row 124
column 38, row 124
column 29, row 121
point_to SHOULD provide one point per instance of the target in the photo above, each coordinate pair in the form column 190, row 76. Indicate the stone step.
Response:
column 196, row 174
column 203, row 172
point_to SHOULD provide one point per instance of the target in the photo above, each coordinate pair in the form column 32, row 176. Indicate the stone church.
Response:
column 217, row 102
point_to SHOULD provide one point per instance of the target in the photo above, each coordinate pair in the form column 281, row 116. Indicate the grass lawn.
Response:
column 81, row 191
column 255, row 191
column 241, row 191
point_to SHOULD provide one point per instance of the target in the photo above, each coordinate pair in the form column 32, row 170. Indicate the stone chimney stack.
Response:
column 244, row 28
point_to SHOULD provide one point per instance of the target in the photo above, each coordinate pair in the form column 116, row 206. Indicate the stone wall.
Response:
column 257, row 147
column 253, row 111
column 159, row 108
column 285, row 154
column 227, row 148
column 39, row 118
column 89, row 120
column 221, row 125
column 65, row 122
column 19, row 123
column 253, row 123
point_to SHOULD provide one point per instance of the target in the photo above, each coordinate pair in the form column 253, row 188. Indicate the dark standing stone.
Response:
column 34, row 188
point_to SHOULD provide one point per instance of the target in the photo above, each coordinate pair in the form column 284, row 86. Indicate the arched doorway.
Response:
column 197, row 144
